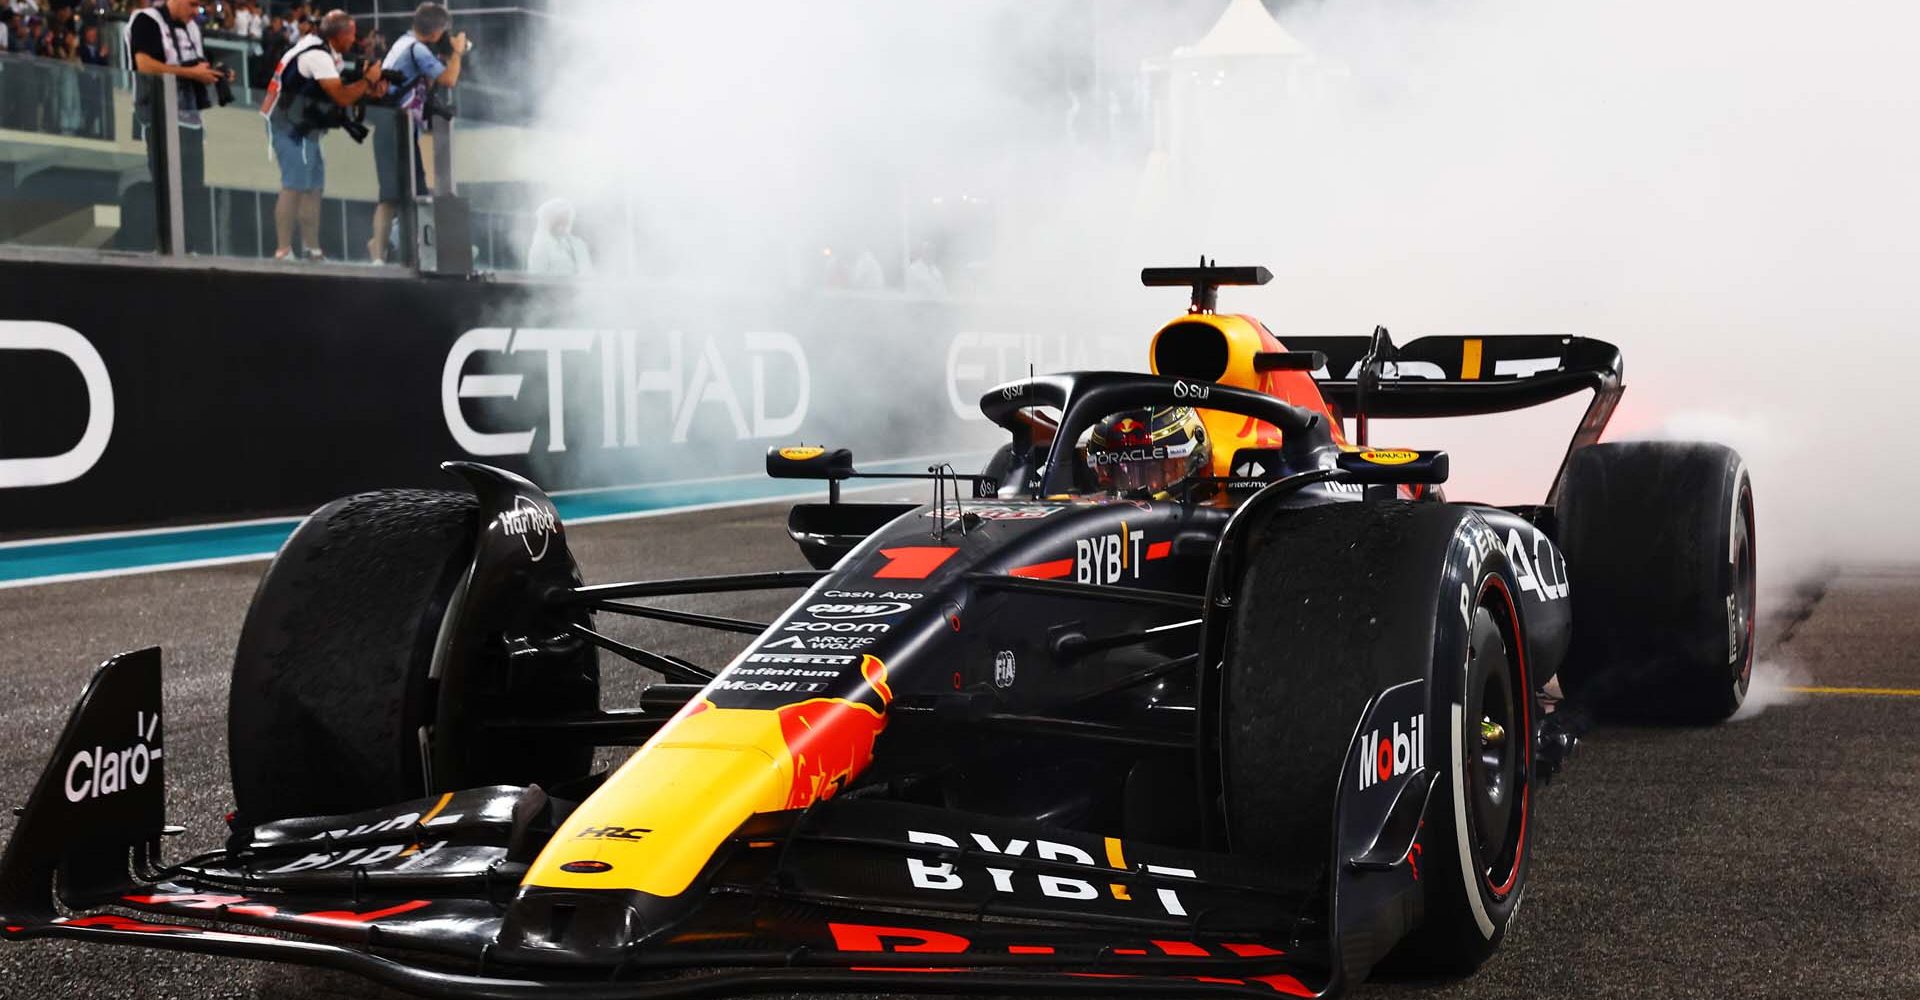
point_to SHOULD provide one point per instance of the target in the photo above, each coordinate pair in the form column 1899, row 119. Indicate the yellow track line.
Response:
column 1883, row 692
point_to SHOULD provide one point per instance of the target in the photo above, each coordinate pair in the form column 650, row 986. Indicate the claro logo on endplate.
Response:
column 651, row 388
column 101, row 771
column 49, row 470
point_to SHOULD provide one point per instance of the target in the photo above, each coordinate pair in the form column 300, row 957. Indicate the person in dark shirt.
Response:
column 273, row 44
column 92, row 51
column 165, row 41
column 95, row 85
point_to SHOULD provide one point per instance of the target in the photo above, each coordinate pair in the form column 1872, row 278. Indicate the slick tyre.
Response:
column 333, row 703
column 1338, row 603
column 1659, row 541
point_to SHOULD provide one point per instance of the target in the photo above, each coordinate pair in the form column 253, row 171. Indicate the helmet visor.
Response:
column 1142, row 467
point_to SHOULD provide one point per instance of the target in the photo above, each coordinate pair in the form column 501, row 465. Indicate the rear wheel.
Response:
column 1659, row 542
column 1396, row 592
column 335, row 698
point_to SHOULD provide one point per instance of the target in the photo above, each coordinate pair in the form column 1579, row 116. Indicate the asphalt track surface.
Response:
column 1774, row 856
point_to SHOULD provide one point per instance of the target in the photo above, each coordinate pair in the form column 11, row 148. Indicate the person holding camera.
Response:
column 416, row 57
column 164, row 40
column 305, row 98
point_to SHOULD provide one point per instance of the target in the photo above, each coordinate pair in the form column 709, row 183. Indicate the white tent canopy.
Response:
column 1244, row 29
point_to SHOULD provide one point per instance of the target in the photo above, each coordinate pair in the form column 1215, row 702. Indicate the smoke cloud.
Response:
column 1724, row 188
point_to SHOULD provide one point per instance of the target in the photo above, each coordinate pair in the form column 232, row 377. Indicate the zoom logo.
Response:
column 49, row 470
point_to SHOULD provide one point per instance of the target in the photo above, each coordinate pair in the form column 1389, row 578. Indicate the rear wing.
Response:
column 1465, row 376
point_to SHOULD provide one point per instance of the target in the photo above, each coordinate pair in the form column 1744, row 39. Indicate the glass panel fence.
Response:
column 73, row 172
column 77, row 170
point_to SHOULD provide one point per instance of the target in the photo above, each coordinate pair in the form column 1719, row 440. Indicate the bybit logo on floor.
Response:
column 1389, row 754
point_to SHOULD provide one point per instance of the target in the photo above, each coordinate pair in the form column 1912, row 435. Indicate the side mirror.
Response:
column 810, row 462
column 1394, row 465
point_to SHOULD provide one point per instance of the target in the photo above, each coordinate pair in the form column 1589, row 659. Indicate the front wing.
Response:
column 849, row 894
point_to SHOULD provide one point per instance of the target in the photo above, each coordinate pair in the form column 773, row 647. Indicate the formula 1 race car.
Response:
column 1186, row 694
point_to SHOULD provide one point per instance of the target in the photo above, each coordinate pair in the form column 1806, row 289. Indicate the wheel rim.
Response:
column 1498, row 738
column 1742, row 597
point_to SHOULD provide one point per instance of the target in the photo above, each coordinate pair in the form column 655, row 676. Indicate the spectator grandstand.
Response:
column 73, row 167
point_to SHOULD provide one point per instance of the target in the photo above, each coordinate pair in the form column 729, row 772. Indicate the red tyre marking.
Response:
column 1526, row 727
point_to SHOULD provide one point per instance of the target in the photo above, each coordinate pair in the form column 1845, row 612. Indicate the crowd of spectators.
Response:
column 66, row 30
column 88, row 32
column 74, row 30
column 63, row 30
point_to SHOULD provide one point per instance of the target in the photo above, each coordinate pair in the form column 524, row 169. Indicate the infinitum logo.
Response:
column 1385, row 755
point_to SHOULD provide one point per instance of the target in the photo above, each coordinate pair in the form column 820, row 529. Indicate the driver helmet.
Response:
column 1149, row 453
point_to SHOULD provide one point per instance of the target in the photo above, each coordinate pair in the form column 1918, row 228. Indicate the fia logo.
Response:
column 1003, row 669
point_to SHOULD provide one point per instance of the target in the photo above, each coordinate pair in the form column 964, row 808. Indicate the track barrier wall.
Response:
column 136, row 394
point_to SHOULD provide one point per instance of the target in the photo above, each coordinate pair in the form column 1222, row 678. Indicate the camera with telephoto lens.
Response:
column 317, row 112
column 318, row 115
column 222, row 89
column 355, row 71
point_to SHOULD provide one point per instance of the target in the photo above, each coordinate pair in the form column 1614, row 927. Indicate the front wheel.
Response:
column 1339, row 603
column 337, row 703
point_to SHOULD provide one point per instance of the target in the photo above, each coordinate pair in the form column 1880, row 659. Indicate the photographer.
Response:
column 306, row 97
column 165, row 41
column 415, row 56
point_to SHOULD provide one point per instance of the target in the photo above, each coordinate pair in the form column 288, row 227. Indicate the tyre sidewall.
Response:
column 1465, row 920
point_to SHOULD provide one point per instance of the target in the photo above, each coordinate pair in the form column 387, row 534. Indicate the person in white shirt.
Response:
column 923, row 277
column 555, row 250
column 247, row 21
column 868, row 275
column 308, row 74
